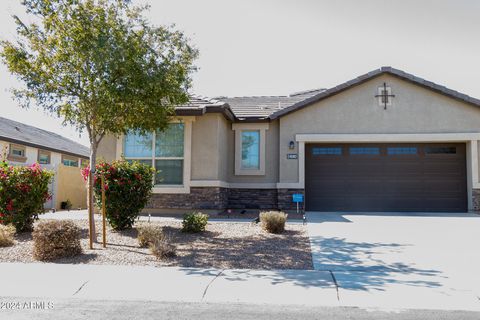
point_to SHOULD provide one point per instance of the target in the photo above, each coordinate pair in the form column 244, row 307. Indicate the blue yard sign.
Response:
column 297, row 197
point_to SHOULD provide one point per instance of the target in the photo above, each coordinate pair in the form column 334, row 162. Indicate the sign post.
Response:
column 297, row 198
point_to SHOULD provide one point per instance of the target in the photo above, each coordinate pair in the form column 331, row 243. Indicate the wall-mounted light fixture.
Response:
column 291, row 145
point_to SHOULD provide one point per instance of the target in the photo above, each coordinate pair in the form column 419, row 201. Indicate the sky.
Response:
column 266, row 47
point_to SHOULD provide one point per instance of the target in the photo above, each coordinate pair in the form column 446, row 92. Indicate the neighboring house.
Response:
column 24, row 145
column 385, row 141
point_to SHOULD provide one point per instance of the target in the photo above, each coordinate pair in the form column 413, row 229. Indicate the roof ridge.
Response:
column 212, row 100
column 256, row 97
column 299, row 93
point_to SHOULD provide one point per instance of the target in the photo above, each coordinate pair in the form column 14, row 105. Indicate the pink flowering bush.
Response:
column 128, row 186
column 23, row 191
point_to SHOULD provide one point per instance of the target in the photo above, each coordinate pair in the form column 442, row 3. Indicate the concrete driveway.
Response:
column 400, row 260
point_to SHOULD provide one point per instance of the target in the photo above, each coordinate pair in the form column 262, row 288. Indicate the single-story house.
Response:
column 22, row 144
column 384, row 141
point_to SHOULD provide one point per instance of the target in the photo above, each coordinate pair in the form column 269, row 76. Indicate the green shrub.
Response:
column 194, row 222
column 273, row 221
column 56, row 239
column 148, row 234
column 128, row 186
column 6, row 235
column 163, row 248
column 23, row 191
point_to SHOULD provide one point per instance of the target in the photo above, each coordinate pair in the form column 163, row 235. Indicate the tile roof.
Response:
column 263, row 106
column 199, row 105
column 21, row 133
column 272, row 107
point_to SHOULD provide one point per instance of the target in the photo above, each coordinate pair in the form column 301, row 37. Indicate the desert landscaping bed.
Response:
column 222, row 245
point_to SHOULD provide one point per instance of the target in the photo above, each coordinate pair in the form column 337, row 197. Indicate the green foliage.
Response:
column 194, row 222
column 100, row 65
column 148, row 234
column 128, row 186
column 23, row 191
column 163, row 248
column 56, row 239
column 6, row 235
column 273, row 221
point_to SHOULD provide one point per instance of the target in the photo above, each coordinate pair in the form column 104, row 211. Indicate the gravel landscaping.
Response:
column 223, row 245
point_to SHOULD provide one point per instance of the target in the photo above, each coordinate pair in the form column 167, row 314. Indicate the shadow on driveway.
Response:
column 360, row 267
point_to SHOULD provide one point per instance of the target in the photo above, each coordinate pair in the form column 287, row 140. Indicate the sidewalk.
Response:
column 170, row 284
column 286, row 287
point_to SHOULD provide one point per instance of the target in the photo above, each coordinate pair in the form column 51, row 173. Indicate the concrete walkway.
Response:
column 400, row 260
column 286, row 287
column 100, row 282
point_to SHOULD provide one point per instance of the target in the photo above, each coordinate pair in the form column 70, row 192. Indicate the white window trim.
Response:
column 187, row 156
column 239, row 128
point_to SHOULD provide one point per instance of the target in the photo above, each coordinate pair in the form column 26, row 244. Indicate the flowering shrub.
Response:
column 127, row 189
column 23, row 191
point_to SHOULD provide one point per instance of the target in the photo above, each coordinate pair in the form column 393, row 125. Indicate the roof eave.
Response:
column 196, row 111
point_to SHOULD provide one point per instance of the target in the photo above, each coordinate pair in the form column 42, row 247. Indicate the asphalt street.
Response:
column 72, row 309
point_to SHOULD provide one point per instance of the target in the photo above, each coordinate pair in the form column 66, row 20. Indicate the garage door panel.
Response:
column 440, row 204
column 329, row 204
column 403, row 188
column 365, row 168
column 398, row 168
column 333, row 190
column 364, row 189
column 411, row 203
column 401, row 177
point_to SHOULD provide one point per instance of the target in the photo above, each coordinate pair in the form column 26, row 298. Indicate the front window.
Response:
column 162, row 150
column 17, row 151
column 70, row 161
column 43, row 157
column 251, row 149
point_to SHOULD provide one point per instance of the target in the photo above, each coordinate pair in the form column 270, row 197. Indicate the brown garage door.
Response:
column 385, row 177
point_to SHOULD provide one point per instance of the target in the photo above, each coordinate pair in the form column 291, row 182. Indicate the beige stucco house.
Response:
column 23, row 145
column 384, row 141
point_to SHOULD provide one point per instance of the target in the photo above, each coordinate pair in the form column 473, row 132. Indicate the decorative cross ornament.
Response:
column 385, row 95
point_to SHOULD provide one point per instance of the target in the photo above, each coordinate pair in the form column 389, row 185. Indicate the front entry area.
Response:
column 389, row 177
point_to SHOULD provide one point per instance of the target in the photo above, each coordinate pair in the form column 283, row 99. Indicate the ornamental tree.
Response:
column 100, row 66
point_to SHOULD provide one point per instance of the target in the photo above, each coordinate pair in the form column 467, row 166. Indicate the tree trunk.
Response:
column 90, row 202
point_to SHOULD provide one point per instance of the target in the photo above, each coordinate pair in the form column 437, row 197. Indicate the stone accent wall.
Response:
column 476, row 199
column 215, row 198
column 199, row 198
column 285, row 199
column 252, row 198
